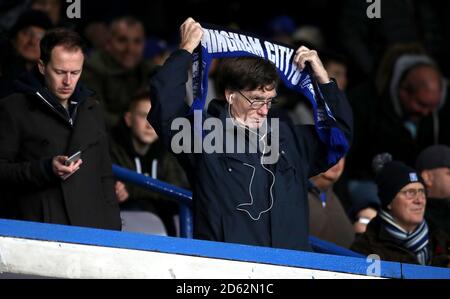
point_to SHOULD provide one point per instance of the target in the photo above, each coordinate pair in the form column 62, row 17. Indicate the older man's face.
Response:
column 407, row 209
column 250, row 107
column 127, row 44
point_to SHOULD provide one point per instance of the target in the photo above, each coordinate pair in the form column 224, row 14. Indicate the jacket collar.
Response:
column 33, row 83
column 220, row 110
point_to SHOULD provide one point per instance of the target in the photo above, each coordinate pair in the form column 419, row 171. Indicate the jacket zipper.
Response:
column 56, row 111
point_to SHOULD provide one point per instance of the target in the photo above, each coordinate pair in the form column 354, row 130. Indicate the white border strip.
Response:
column 64, row 260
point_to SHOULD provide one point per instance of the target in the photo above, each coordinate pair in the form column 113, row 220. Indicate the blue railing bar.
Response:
column 198, row 248
column 124, row 174
column 322, row 246
column 186, row 220
column 182, row 195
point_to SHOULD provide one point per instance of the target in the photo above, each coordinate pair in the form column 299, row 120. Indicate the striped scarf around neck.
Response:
column 415, row 241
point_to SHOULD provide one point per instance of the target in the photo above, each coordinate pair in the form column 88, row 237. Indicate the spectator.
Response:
column 336, row 66
column 97, row 35
column 239, row 198
column 310, row 36
column 135, row 145
column 362, row 209
column 117, row 73
column 363, row 205
column 280, row 29
column 157, row 50
column 51, row 117
column 403, row 119
column 327, row 218
column 21, row 51
column 433, row 164
column 400, row 233
column 362, row 217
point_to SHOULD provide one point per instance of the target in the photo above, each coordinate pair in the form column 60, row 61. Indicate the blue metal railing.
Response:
column 322, row 246
column 183, row 196
column 185, row 200
column 101, row 239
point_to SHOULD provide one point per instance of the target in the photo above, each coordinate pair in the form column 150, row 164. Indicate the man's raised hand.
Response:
column 191, row 34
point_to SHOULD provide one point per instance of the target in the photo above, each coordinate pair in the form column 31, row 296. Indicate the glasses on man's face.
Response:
column 258, row 104
column 413, row 193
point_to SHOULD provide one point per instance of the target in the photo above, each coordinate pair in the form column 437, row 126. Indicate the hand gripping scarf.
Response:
column 219, row 42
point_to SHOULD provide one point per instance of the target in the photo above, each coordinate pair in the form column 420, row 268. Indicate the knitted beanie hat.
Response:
column 391, row 178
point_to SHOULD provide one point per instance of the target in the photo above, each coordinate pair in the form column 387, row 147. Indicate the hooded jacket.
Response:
column 402, row 66
column 235, row 198
column 34, row 128
column 382, row 126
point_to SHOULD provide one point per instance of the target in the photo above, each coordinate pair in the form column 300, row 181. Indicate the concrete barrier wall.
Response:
column 74, row 252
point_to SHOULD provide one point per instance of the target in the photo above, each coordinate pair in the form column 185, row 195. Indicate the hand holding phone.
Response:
column 74, row 158
column 64, row 167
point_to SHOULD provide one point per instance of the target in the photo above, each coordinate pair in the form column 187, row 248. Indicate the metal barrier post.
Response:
column 186, row 222
column 184, row 198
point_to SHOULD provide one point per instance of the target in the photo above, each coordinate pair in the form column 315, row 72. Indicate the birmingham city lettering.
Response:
column 216, row 41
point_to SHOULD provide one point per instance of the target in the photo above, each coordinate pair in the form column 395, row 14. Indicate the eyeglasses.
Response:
column 413, row 193
column 258, row 104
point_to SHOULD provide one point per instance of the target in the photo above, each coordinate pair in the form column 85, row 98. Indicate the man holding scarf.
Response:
column 239, row 197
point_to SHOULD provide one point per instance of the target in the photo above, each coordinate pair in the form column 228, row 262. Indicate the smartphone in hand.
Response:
column 74, row 158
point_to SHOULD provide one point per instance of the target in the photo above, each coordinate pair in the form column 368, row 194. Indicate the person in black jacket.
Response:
column 20, row 52
column 399, row 232
column 433, row 165
column 135, row 145
column 237, row 198
column 50, row 118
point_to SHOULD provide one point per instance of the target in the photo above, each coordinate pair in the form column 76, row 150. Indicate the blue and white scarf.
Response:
column 218, row 42
column 416, row 241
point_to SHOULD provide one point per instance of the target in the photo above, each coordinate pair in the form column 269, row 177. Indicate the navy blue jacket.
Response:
column 222, row 181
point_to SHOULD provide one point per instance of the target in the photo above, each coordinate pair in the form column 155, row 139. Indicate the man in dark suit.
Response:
column 51, row 117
